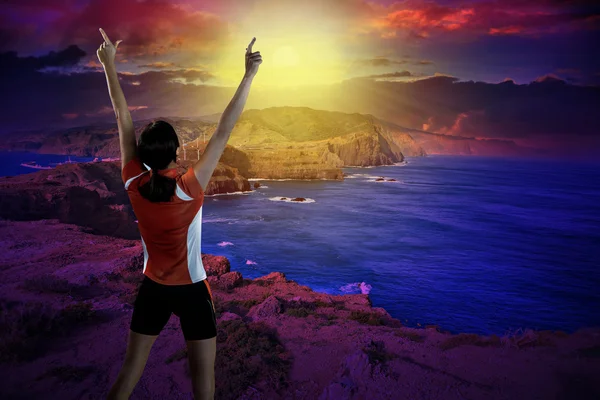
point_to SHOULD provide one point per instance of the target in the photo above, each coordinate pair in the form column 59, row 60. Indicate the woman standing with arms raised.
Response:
column 168, row 206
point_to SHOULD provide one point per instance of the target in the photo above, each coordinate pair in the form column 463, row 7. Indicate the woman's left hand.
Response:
column 107, row 50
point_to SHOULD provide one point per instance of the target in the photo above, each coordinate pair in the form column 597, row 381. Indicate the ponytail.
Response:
column 159, row 188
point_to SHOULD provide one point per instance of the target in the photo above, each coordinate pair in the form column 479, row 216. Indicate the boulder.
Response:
column 215, row 265
column 270, row 307
column 229, row 316
column 229, row 280
column 273, row 277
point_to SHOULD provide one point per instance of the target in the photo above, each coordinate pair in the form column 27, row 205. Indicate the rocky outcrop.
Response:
column 270, row 307
column 91, row 195
column 226, row 281
column 405, row 143
column 365, row 149
column 26, row 201
column 215, row 265
column 294, row 163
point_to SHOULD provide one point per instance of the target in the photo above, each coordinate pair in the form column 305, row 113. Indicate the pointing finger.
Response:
column 249, row 48
column 105, row 36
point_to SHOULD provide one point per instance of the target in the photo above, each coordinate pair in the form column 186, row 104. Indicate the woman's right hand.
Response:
column 253, row 60
column 107, row 50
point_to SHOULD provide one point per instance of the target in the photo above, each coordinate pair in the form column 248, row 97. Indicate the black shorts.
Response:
column 192, row 303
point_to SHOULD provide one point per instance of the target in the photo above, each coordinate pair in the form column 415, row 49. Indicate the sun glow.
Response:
column 285, row 56
column 297, row 50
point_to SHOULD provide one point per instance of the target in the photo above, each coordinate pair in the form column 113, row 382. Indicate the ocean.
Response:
column 473, row 244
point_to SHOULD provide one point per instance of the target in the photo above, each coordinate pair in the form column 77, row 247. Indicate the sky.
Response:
column 321, row 41
column 193, row 52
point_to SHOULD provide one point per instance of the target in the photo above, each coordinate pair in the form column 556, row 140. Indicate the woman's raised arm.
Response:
column 205, row 166
column 106, row 54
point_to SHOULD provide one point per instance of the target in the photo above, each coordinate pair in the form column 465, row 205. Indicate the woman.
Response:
column 168, row 206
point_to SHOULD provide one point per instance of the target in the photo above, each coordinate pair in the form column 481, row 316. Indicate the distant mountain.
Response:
column 278, row 142
column 437, row 143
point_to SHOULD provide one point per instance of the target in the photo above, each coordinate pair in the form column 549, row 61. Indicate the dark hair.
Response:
column 157, row 147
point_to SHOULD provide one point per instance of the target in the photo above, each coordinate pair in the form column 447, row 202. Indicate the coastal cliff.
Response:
column 280, row 133
column 91, row 195
column 66, row 313
column 274, row 143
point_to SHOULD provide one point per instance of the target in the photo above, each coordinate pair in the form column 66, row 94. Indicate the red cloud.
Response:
column 147, row 28
column 421, row 19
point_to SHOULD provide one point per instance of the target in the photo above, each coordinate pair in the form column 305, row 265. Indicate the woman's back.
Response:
column 170, row 231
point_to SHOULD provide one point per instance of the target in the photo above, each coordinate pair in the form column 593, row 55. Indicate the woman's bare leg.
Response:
column 201, row 356
column 138, row 349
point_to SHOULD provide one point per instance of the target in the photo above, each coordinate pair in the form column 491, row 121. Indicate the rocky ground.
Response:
column 66, row 305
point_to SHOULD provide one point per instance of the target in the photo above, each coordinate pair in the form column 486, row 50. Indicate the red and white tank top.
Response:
column 171, row 231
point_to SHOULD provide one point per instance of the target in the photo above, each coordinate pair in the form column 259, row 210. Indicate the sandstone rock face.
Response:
column 294, row 163
column 405, row 143
column 270, row 307
column 364, row 149
column 226, row 179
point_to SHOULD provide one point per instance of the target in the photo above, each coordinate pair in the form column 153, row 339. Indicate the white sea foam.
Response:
column 363, row 176
column 362, row 287
column 217, row 219
column 223, row 244
column 289, row 199
column 250, row 262
column 228, row 194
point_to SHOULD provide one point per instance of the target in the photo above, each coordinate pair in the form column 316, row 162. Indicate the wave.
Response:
column 228, row 194
column 250, row 262
column 351, row 176
column 289, row 199
column 223, row 244
column 217, row 219
column 362, row 287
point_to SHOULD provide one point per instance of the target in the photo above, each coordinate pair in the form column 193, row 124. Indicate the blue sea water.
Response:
column 10, row 161
column 472, row 244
